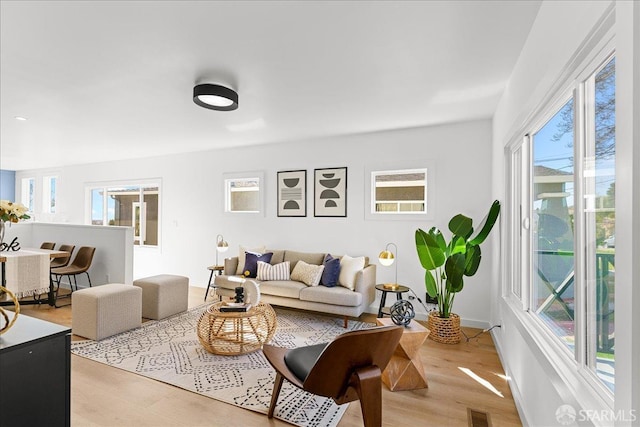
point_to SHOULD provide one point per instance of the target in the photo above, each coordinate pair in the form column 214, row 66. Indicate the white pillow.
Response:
column 348, row 268
column 268, row 272
column 308, row 274
column 242, row 255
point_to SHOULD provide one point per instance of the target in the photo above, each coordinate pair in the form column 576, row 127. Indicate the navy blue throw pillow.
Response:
column 331, row 271
column 251, row 263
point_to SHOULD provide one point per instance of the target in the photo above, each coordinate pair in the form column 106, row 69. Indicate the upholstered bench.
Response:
column 163, row 295
column 102, row 311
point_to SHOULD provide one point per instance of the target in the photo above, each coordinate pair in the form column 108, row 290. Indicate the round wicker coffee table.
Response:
column 233, row 333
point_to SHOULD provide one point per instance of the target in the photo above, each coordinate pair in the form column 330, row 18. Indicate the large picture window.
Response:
column 562, row 221
column 130, row 205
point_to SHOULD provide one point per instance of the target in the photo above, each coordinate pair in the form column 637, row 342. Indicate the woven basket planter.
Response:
column 444, row 330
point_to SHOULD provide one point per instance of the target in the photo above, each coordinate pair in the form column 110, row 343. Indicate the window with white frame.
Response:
column 28, row 193
column 134, row 205
column 561, row 220
column 243, row 193
column 49, row 198
column 399, row 191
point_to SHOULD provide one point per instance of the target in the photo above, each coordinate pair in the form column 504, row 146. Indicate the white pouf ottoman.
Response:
column 102, row 311
column 163, row 295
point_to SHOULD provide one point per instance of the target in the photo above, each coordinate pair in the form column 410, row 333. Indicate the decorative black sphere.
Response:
column 402, row 312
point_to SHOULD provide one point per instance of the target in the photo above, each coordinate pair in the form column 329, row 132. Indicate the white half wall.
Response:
column 192, row 211
column 113, row 258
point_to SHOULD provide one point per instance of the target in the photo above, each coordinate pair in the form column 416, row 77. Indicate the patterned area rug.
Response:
column 169, row 351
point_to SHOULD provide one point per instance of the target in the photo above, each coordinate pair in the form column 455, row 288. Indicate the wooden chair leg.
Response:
column 368, row 385
column 346, row 322
column 277, row 385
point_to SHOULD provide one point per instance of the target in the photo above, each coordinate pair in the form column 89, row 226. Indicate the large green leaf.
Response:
column 454, row 268
column 458, row 245
column 439, row 238
column 429, row 253
column 472, row 261
column 461, row 225
column 430, row 283
column 487, row 224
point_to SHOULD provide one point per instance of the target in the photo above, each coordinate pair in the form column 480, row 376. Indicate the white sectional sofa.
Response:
column 337, row 300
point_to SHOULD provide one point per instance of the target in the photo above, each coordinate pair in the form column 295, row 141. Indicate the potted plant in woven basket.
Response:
column 446, row 265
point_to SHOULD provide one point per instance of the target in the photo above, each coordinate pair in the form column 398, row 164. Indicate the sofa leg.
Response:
column 346, row 322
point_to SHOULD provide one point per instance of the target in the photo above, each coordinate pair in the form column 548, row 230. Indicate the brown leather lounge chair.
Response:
column 348, row 368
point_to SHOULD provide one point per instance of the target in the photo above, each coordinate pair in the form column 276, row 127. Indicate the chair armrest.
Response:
column 230, row 266
column 366, row 282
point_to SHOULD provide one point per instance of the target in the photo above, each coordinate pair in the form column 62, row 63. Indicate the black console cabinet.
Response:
column 35, row 374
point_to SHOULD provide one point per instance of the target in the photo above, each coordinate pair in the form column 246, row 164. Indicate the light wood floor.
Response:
column 106, row 396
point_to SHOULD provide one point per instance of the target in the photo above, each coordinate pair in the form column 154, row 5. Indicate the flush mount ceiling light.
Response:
column 215, row 97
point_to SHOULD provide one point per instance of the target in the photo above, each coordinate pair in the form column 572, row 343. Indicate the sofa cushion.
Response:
column 331, row 271
column 241, row 257
column 273, row 272
column 278, row 256
column 251, row 263
column 228, row 282
column 306, row 273
column 335, row 296
column 310, row 258
column 348, row 268
column 282, row 288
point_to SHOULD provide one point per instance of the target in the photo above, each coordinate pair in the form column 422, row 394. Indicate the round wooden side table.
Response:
column 233, row 333
column 396, row 289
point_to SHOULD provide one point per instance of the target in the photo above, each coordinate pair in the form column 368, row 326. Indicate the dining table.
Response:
column 29, row 267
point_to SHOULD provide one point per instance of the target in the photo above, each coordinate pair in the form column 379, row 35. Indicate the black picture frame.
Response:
column 292, row 193
column 330, row 192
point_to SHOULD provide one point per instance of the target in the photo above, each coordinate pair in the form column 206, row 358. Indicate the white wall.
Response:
column 192, row 201
column 560, row 29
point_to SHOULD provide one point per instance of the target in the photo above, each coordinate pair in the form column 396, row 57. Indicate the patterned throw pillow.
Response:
column 349, row 267
column 306, row 273
column 268, row 272
column 251, row 263
column 331, row 271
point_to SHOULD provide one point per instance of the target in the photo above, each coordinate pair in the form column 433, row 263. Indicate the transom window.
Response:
column 243, row 192
column 399, row 191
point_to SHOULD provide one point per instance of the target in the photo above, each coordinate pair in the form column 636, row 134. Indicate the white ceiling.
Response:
column 106, row 80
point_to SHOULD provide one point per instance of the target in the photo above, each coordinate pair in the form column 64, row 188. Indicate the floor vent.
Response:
column 478, row 418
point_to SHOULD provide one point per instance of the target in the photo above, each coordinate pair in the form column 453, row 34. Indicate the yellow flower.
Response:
column 247, row 273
